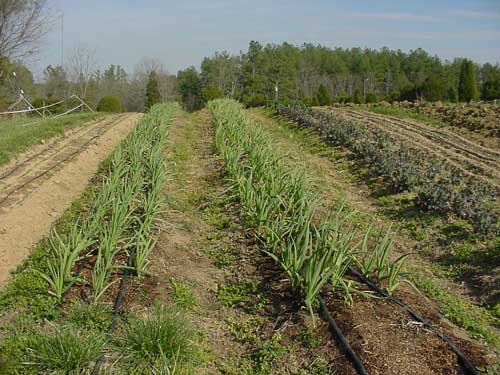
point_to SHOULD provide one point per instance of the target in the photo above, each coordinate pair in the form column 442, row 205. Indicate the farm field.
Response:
column 18, row 134
column 479, row 118
column 37, row 186
column 205, row 241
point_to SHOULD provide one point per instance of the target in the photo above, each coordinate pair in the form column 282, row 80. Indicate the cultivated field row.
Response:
column 478, row 160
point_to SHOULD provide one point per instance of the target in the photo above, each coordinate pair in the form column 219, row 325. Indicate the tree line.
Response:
column 313, row 74
column 320, row 75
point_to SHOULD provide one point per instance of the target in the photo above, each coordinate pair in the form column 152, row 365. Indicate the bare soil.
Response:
column 36, row 188
column 480, row 161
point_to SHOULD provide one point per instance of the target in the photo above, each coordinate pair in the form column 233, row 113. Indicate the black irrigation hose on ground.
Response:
column 79, row 150
column 358, row 365
column 19, row 165
column 467, row 364
column 116, row 307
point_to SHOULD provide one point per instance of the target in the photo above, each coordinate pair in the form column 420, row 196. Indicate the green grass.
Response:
column 164, row 342
column 16, row 138
column 51, row 349
column 383, row 110
column 461, row 312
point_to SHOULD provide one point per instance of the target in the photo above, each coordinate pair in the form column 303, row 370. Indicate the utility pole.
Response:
column 62, row 39
column 364, row 89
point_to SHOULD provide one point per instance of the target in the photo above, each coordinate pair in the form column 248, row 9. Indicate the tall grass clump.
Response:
column 279, row 204
column 162, row 343
column 123, row 214
column 60, row 350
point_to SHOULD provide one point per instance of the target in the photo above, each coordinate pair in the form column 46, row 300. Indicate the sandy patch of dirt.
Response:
column 36, row 194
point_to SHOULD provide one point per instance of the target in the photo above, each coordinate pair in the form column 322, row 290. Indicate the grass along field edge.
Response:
column 15, row 137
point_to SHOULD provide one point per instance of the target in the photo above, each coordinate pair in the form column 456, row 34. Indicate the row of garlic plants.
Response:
column 278, row 203
column 123, row 215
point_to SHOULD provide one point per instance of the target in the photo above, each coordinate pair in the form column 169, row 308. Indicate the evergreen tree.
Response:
column 491, row 88
column 189, row 87
column 323, row 96
column 152, row 91
column 467, row 88
column 210, row 92
column 358, row 99
column 452, row 95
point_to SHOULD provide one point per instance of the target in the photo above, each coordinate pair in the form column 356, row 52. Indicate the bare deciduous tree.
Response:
column 23, row 25
column 81, row 66
column 167, row 81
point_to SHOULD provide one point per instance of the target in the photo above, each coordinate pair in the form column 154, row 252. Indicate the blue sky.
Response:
column 181, row 33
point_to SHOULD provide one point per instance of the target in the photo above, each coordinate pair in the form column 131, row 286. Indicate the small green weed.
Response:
column 245, row 331
column 182, row 295
column 236, row 293
column 222, row 256
column 90, row 317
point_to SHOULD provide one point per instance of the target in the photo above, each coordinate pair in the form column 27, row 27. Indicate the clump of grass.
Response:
column 261, row 361
column 265, row 357
column 182, row 295
column 56, row 349
column 162, row 343
column 318, row 366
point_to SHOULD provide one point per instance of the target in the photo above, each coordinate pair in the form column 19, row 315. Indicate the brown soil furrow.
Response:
column 32, row 162
column 482, row 151
column 471, row 165
column 450, row 139
column 27, row 219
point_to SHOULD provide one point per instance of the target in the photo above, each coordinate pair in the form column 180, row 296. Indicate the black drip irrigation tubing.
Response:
column 17, row 166
column 356, row 362
column 79, row 150
column 116, row 307
column 466, row 362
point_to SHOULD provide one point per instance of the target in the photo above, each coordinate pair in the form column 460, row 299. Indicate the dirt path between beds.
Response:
column 37, row 190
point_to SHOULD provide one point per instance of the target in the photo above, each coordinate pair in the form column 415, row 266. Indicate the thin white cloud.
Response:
column 475, row 14
column 397, row 16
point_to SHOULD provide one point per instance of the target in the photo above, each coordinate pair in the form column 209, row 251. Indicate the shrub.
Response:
column 257, row 100
column 210, row 92
column 311, row 101
column 358, row 99
column 109, row 104
column 323, row 96
column 372, row 98
column 42, row 102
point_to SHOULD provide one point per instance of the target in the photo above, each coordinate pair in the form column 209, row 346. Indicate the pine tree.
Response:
column 152, row 91
column 467, row 88
column 358, row 99
column 323, row 96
